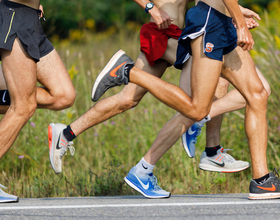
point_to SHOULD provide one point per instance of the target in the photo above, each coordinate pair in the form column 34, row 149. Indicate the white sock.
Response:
column 143, row 167
column 203, row 121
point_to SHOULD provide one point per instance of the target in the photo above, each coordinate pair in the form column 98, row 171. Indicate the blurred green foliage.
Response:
column 64, row 16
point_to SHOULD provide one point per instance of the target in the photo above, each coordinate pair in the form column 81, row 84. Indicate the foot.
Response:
column 146, row 185
column 5, row 197
column 58, row 146
column 189, row 139
column 115, row 73
column 222, row 162
column 269, row 189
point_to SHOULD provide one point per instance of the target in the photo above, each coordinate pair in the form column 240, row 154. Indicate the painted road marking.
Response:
column 140, row 205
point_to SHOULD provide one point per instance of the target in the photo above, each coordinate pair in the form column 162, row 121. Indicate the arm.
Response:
column 244, row 37
column 160, row 17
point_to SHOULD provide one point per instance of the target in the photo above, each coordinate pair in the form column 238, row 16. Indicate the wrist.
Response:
column 149, row 6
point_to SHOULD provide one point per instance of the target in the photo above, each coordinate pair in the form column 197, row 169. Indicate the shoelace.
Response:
column 69, row 147
column 276, row 176
column 228, row 157
column 154, row 182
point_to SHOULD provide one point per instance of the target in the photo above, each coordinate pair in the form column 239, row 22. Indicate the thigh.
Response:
column 205, row 75
column 52, row 74
column 157, row 70
column 19, row 72
column 241, row 72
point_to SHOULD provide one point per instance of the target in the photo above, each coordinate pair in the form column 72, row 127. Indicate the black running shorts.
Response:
column 17, row 20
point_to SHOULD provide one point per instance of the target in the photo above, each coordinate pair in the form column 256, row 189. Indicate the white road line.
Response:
column 140, row 205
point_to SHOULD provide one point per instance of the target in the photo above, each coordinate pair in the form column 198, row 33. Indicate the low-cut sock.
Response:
column 5, row 97
column 212, row 151
column 203, row 121
column 144, row 168
column 262, row 179
column 69, row 134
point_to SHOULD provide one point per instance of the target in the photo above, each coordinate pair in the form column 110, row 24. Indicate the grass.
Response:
column 106, row 152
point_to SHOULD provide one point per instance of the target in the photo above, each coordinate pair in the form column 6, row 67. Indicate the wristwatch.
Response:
column 149, row 6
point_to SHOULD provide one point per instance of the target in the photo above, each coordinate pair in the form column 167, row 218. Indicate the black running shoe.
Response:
column 115, row 73
column 269, row 189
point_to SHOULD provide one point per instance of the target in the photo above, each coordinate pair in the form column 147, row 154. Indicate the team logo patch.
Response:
column 209, row 47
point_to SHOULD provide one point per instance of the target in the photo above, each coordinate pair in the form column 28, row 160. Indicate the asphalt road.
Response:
column 218, row 206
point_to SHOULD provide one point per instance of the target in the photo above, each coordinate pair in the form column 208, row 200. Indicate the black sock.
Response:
column 127, row 71
column 5, row 97
column 69, row 134
column 211, row 151
column 262, row 179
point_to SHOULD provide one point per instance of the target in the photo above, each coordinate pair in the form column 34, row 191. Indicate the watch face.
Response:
column 149, row 5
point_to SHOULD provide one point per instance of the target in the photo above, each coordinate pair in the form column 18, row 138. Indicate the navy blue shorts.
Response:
column 17, row 20
column 219, row 33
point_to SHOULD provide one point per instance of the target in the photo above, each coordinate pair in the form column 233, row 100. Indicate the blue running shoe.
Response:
column 146, row 185
column 189, row 139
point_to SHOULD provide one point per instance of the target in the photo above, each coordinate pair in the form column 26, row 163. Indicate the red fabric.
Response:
column 153, row 41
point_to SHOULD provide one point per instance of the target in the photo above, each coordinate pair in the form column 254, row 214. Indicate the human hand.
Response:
column 160, row 17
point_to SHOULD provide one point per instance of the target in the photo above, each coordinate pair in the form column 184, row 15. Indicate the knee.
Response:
column 199, row 112
column 64, row 99
column 259, row 98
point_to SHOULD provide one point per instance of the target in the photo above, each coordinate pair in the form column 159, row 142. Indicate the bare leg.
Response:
column 198, row 106
column 128, row 98
column 251, row 87
column 213, row 127
column 58, row 92
column 20, row 74
column 52, row 96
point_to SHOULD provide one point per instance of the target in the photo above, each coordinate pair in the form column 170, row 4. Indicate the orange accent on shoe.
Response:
column 272, row 188
column 113, row 72
column 50, row 136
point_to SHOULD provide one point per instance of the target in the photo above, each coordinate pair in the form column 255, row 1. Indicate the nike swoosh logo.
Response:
column 57, row 144
column 113, row 72
column 219, row 164
column 144, row 167
column 3, row 98
column 190, row 131
column 272, row 188
column 145, row 186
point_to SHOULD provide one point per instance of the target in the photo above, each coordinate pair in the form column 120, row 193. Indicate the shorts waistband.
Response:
column 18, row 5
column 204, row 5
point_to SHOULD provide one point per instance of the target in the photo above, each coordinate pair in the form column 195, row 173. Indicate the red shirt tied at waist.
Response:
column 153, row 41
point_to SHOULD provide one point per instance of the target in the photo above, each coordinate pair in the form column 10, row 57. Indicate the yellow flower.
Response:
column 277, row 41
column 73, row 71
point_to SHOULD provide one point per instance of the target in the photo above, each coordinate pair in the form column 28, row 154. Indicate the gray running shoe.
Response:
column 6, row 197
column 268, row 189
column 58, row 146
column 115, row 73
column 222, row 162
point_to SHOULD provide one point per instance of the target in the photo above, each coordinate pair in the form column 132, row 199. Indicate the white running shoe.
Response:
column 146, row 185
column 189, row 139
column 58, row 146
column 222, row 162
column 6, row 197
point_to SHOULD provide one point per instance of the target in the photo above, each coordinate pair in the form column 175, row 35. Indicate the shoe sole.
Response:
column 140, row 191
column 9, row 201
column 105, row 70
column 51, row 133
column 185, row 145
column 221, row 170
column 263, row 196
